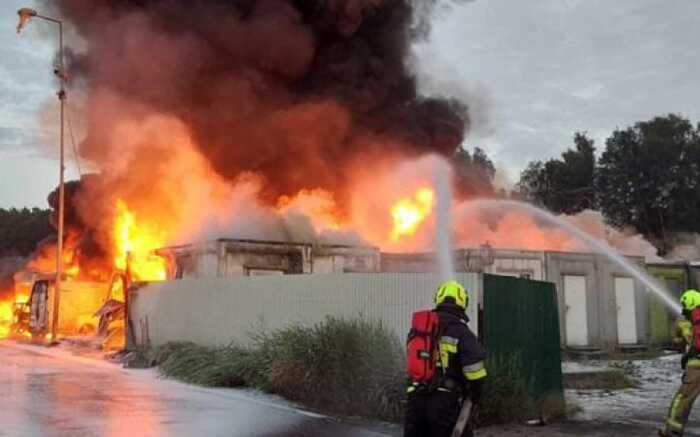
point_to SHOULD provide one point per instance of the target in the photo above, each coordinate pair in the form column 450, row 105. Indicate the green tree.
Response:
column 474, row 173
column 22, row 229
column 648, row 178
column 562, row 185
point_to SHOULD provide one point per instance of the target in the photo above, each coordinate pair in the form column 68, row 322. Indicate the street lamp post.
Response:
column 24, row 15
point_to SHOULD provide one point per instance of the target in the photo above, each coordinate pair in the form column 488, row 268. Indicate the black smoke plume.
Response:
column 297, row 91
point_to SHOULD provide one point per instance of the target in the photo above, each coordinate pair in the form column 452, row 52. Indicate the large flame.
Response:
column 45, row 260
column 7, row 316
column 318, row 205
column 410, row 212
column 135, row 246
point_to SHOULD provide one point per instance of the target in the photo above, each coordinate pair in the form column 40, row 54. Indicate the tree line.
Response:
column 22, row 229
column 646, row 178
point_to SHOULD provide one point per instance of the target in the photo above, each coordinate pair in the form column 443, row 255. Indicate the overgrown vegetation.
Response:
column 344, row 367
column 505, row 396
column 507, row 399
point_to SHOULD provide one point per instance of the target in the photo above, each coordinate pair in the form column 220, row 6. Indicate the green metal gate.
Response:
column 520, row 327
column 661, row 319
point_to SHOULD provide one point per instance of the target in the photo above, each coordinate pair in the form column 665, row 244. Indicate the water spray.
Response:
column 597, row 245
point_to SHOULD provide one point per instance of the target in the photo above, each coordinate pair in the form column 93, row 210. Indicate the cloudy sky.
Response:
column 533, row 72
column 28, row 139
column 539, row 70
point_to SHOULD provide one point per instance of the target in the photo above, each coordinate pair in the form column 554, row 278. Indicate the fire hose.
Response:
column 463, row 419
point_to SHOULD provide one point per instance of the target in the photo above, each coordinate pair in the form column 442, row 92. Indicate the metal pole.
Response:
column 24, row 15
column 61, row 194
column 129, row 341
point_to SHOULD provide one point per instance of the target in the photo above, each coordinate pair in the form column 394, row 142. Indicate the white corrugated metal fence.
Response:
column 216, row 311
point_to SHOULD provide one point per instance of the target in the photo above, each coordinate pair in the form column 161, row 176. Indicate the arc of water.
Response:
column 595, row 244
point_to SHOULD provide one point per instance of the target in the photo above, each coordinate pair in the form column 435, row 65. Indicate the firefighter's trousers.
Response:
column 683, row 402
column 433, row 415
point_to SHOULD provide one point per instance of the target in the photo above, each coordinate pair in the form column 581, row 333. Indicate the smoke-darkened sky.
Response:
column 532, row 73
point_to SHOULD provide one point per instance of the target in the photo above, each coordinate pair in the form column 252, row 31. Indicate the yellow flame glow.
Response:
column 138, row 243
column 408, row 213
column 5, row 318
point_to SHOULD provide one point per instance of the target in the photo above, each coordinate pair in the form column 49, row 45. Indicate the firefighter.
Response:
column 433, row 411
column 683, row 401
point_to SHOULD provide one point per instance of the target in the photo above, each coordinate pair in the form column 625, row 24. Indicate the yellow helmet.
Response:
column 454, row 290
column 690, row 299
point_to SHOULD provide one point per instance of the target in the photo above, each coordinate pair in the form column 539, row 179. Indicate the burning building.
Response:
column 264, row 119
column 287, row 135
column 601, row 306
column 229, row 258
column 275, row 120
column 237, row 117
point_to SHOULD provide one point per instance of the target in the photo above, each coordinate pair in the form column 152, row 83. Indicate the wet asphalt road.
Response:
column 49, row 392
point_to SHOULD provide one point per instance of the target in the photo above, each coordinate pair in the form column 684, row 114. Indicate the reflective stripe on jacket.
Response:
column 461, row 355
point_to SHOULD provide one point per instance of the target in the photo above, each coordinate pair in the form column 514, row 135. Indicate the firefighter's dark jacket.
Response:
column 460, row 351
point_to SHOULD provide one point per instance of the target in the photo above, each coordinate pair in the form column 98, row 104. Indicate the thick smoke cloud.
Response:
column 299, row 92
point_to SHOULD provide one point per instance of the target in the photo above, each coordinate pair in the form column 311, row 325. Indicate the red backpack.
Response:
column 422, row 351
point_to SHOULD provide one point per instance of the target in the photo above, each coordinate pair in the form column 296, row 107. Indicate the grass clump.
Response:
column 507, row 396
column 213, row 367
column 339, row 366
column 347, row 367
column 352, row 367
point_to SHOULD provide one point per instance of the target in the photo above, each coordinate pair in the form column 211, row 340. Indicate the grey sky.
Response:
column 28, row 164
column 546, row 68
column 533, row 71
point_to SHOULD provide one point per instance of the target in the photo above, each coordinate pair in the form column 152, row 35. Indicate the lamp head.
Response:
column 24, row 15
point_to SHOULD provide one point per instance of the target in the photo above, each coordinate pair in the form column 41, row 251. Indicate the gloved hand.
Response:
column 684, row 361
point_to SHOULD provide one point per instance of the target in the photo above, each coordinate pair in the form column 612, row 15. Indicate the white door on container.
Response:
column 626, row 311
column 576, row 315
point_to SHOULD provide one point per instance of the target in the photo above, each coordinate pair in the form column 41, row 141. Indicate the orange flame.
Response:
column 7, row 309
column 410, row 212
column 317, row 204
column 46, row 260
column 138, row 243
column 5, row 318
column 21, row 298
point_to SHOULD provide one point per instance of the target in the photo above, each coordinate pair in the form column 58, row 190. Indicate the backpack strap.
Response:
column 439, row 378
column 451, row 348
